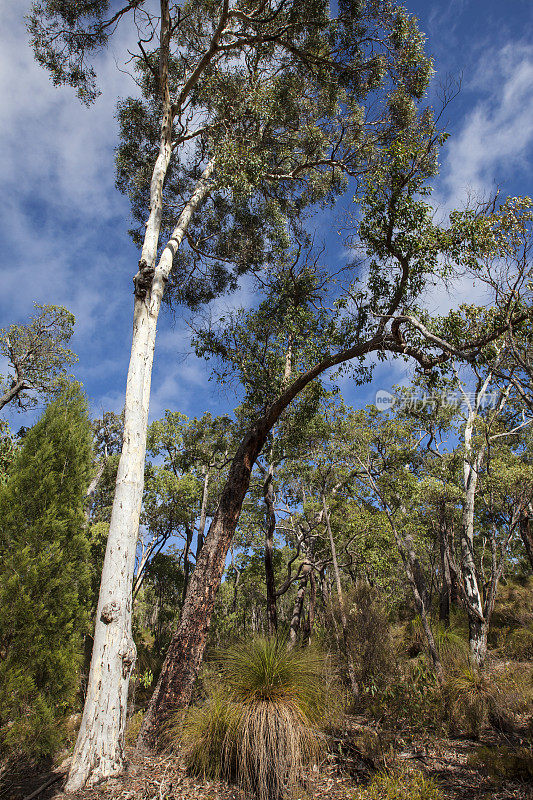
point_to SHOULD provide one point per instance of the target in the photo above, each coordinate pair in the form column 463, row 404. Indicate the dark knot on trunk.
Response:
column 110, row 612
column 143, row 280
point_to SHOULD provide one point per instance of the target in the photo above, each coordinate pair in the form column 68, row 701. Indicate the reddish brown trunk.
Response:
column 272, row 611
column 527, row 534
column 184, row 656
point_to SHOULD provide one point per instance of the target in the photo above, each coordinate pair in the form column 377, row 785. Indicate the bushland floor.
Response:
column 339, row 777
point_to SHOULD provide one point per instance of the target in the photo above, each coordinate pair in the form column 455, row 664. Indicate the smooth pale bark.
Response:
column 186, row 562
column 445, row 593
column 477, row 628
column 99, row 751
column 203, row 514
column 478, row 608
column 297, row 609
column 344, row 621
column 310, row 620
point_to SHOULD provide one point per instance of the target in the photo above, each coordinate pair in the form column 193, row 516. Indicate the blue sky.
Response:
column 63, row 225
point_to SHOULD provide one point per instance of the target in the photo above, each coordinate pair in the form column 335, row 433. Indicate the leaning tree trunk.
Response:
column 184, row 655
column 99, row 751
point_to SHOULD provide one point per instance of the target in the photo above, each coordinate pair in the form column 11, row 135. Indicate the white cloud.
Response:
column 63, row 223
column 496, row 138
column 54, row 147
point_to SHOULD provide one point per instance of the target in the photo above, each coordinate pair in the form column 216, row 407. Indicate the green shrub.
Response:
column 260, row 722
column 412, row 701
column 400, row 785
column 504, row 763
column 44, row 578
column 369, row 636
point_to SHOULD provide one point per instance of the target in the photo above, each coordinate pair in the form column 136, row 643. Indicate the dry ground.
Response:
column 338, row 778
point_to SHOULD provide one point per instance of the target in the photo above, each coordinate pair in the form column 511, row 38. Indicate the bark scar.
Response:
column 128, row 653
column 142, row 281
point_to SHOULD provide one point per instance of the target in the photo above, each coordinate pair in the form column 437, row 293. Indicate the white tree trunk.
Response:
column 99, row 751
column 476, row 621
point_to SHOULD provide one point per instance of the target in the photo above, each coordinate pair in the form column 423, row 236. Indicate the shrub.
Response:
column 514, row 605
column 519, row 644
column 512, row 620
column 476, row 697
column 400, row 785
column 369, row 636
column 508, row 763
column 413, row 701
column 260, row 722
column 44, row 579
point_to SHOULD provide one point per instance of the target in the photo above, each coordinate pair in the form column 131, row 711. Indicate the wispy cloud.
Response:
column 495, row 141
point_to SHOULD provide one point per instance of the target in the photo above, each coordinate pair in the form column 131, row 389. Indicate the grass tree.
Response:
column 249, row 112
column 261, row 722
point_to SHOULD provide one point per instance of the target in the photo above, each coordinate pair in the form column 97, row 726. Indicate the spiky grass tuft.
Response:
column 260, row 723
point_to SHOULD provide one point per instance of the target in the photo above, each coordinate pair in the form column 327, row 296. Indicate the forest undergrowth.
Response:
column 269, row 721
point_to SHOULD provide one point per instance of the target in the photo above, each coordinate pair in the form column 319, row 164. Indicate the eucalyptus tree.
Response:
column 37, row 356
column 251, row 111
column 481, row 487
column 483, row 431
